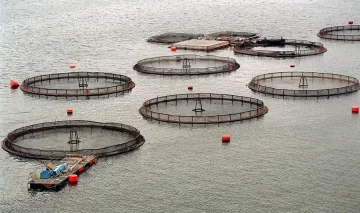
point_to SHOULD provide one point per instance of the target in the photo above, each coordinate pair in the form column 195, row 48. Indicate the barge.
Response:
column 54, row 177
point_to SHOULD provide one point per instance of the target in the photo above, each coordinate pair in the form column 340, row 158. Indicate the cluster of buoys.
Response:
column 14, row 84
column 355, row 109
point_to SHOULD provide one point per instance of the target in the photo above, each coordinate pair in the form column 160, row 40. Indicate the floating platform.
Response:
column 76, row 164
column 201, row 45
column 169, row 38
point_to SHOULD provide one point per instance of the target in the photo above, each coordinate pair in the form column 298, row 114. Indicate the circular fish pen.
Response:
column 279, row 48
column 186, row 65
column 202, row 108
column 53, row 140
column 169, row 38
column 304, row 84
column 346, row 33
column 77, row 84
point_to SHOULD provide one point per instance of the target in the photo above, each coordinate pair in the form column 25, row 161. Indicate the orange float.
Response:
column 14, row 84
column 69, row 111
column 225, row 138
column 355, row 109
column 73, row 178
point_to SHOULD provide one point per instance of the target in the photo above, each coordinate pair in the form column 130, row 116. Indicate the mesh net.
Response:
column 10, row 143
column 257, row 111
column 333, row 33
column 313, row 48
column 257, row 85
column 120, row 83
column 186, row 65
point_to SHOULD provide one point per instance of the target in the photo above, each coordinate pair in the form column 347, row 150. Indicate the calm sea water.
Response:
column 303, row 156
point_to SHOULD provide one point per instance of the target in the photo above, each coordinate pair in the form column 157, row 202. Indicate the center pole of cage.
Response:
column 198, row 106
column 186, row 65
column 74, row 140
column 303, row 82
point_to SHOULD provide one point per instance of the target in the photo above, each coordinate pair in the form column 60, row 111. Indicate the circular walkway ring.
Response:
column 326, row 33
column 316, row 48
column 259, row 111
column 28, row 87
column 11, row 147
column 231, row 65
column 353, row 84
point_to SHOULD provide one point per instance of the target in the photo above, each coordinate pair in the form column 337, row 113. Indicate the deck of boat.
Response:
column 76, row 165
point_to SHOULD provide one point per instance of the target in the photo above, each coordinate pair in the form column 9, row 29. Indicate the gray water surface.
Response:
column 302, row 156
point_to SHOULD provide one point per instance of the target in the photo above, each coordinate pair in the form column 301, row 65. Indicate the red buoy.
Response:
column 73, row 178
column 292, row 65
column 225, row 138
column 14, row 84
column 173, row 49
column 81, row 170
column 72, row 66
column 190, row 87
column 355, row 109
column 351, row 22
column 69, row 111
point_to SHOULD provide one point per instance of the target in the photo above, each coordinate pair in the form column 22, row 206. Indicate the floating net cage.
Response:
column 53, row 140
column 77, row 84
column 173, row 37
column 280, row 48
column 304, row 84
column 186, row 65
column 202, row 108
column 231, row 35
column 346, row 33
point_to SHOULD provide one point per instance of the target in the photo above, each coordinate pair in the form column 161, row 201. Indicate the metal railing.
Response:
column 326, row 33
column 9, row 143
column 125, row 84
column 352, row 87
column 230, row 65
column 222, row 118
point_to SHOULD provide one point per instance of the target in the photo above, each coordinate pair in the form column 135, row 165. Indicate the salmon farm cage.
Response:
column 279, row 48
column 304, row 84
column 77, row 84
column 54, row 140
column 186, row 65
column 202, row 108
column 345, row 33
